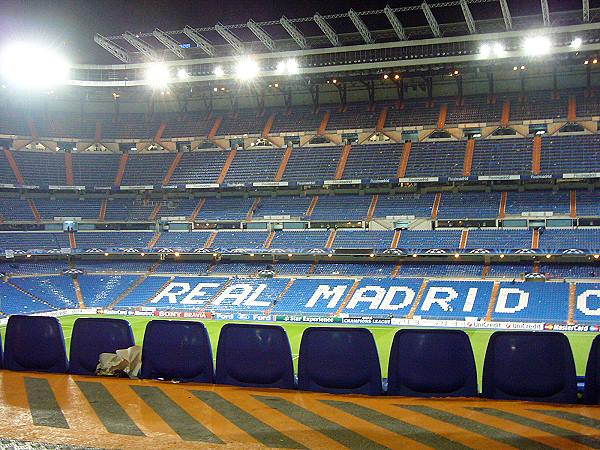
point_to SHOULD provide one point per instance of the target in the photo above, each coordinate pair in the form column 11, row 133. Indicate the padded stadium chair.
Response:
column 592, row 375
column 522, row 365
column 339, row 361
column 177, row 350
column 35, row 343
column 91, row 337
column 254, row 356
column 432, row 363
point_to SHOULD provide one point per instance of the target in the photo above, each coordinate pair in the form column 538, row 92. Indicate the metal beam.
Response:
column 468, row 16
column 230, row 38
column 586, row 10
column 545, row 12
column 261, row 34
column 433, row 24
column 114, row 49
column 327, row 30
column 506, row 15
column 474, row 38
column 169, row 42
column 360, row 26
column 142, row 46
column 199, row 40
column 293, row 32
column 396, row 25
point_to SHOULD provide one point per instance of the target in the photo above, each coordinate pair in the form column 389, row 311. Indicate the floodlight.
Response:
column 246, row 69
column 537, row 45
column 33, row 66
column 157, row 75
column 292, row 66
column 498, row 49
column 576, row 43
column 289, row 67
column 219, row 72
column 182, row 74
column 485, row 50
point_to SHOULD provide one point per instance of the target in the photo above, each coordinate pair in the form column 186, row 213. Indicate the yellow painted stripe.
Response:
column 464, row 436
column 369, row 430
column 534, row 434
column 281, row 422
column 225, row 430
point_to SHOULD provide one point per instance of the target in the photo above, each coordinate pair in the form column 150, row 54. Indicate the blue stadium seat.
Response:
column 254, row 356
column 177, row 350
column 35, row 343
column 592, row 375
column 529, row 366
column 91, row 337
column 339, row 361
column 432, row 363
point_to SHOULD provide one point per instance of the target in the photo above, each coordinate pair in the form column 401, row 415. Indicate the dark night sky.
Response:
column 71, row 24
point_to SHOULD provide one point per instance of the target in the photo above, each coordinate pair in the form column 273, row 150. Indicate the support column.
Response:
column 121, row 171
column 268, row 125
column 284, row 161
column 404, row 162
column 339, row 173
column 381, row 120
column 436, row 205
column 172, row 168
column 536, row 158
column 324, row 122
column 13, row 165
column 468, row 163
column 69, row 168
column 226, row 166
column 442, row 117
column 505, row 118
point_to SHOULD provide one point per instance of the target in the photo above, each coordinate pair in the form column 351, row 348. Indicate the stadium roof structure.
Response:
column 210, row 54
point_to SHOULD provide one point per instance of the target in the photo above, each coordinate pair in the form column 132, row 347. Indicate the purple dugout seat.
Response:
column 339, row 361
column 534, row 366
column 177, row 350
column 254, row 356
column 35, row 343
column 432, row 363
column 91, row 337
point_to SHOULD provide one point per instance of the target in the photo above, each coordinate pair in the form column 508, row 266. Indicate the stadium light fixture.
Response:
column 182, row 74
column 576, row 43
column 596, row 256
column 537, row 45
column 289, row 67
column 157, row 75
column 219, row 72
column 502, row 256
column 33, row 66
column 246, row 69
column 485, row 50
